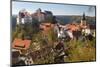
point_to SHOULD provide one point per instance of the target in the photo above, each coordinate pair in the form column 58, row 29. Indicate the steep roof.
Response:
column 83, row 18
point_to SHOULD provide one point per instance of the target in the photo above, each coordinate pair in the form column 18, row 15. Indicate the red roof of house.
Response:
column 21, row 44
column 73, row 27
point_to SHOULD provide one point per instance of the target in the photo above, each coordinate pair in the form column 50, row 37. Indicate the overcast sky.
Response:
column 57, row 9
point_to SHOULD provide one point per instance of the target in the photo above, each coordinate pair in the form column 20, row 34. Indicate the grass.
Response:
column 80, row 51
column 77, row 50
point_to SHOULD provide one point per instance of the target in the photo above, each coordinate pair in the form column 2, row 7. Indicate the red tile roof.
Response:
column 73, row 27
column 21, row 44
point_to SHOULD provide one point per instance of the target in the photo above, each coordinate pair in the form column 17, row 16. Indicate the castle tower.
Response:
column 83, row 20
column 39, row 10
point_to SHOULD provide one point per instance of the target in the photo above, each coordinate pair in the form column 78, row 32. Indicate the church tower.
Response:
column 83, row 20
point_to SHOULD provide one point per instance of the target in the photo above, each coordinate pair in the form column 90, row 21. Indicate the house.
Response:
column 46, row 26
column 21, row 44
column 73, row 27
column 73, row 30
column 61, row 33
column 60, row 30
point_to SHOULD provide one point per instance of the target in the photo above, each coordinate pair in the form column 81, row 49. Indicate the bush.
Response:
column 80, row 51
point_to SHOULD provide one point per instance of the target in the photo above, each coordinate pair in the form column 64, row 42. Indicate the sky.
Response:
column 57, row 9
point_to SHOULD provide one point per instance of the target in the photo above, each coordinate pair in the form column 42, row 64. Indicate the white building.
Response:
column 23, row 17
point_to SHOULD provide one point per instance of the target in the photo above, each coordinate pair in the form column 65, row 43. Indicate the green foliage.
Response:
column 52, row 36
column 16, row 32
column 80, row 51
column 77, row 50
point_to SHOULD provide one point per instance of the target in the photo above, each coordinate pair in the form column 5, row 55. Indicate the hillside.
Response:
column 69, row 19
column 61, row 19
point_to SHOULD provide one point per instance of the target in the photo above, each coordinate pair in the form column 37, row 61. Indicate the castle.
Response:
column 25, row 17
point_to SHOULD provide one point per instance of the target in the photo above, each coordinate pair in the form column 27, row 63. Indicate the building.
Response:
column 49, row 15
column 42, row 16
column 46, row 26
column 23, row 17
column 21, row 44
column 39, row 15
column 83, row 20
column 85, row 27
